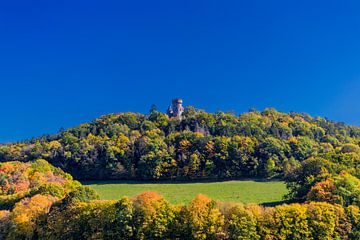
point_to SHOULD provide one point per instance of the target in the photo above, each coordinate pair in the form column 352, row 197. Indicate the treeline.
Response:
column 201, row 146
column 149, row 216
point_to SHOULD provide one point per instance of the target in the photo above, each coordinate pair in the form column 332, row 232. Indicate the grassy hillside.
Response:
column 228, row 191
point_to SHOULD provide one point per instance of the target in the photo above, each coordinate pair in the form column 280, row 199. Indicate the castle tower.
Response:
column 176, row 109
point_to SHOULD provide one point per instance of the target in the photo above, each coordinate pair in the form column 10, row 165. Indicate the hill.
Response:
column 318, row 159
column 200, row 146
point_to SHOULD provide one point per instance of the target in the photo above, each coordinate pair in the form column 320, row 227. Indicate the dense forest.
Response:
column 200, row 146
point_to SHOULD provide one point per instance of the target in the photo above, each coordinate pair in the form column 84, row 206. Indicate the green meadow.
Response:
column 249, row 191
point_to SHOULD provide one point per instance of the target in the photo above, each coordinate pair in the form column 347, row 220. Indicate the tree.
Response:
column 204, row 219
column 152, row 215
column 240, row 223
column 322, row 220
column 123, row 226
column 343, row 189
column 290, row 222
column 310, row 172
column 26, row 213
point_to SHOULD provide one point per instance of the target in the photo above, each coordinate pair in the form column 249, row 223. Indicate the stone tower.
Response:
column 176, row 109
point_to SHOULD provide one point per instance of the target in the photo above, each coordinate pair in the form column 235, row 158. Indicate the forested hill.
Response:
column 201, row 146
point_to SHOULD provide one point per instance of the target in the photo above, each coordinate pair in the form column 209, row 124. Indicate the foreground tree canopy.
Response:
column 29, row 190
column 201, row 146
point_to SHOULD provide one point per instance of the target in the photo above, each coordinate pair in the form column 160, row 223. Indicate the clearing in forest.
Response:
column 249, row 191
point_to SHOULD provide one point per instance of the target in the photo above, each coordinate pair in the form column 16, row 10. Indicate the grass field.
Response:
column 251, row 191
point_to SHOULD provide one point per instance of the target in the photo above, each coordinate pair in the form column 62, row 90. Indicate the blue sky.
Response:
column 67, row 62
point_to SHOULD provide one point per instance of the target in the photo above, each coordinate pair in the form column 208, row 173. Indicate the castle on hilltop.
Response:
column 176, row 109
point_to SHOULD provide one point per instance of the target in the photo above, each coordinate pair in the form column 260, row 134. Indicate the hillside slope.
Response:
column 201, row 146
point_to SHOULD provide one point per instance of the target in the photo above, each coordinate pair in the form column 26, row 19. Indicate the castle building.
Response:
column 176, row 109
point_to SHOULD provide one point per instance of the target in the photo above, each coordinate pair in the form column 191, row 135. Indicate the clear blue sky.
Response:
column 67, row 62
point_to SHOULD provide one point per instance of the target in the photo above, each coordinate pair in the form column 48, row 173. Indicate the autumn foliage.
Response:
column 149, row 216
column 40, row 201
column 27, row 192
column 202, row 145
